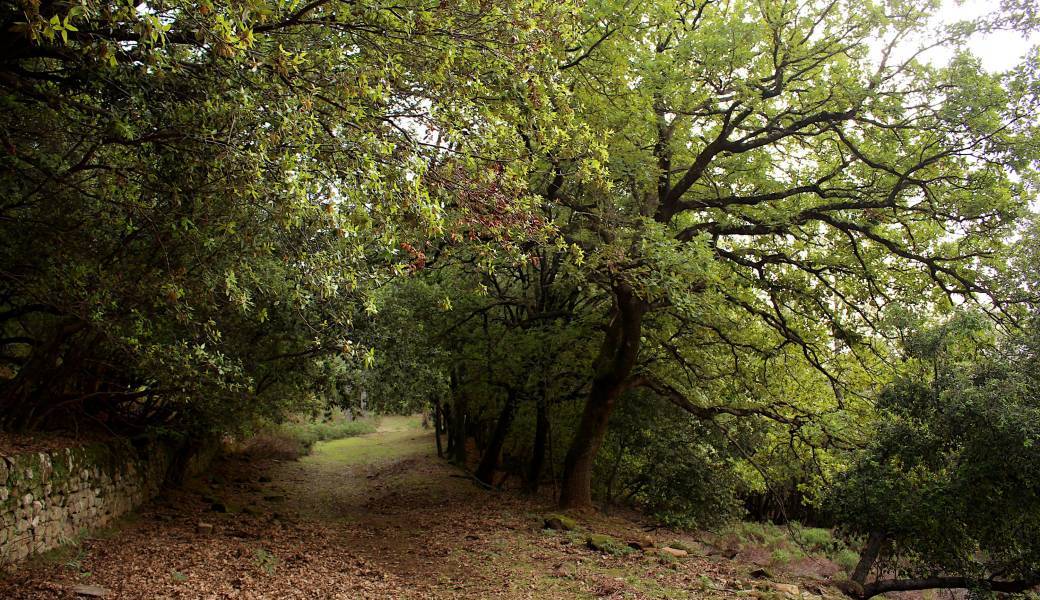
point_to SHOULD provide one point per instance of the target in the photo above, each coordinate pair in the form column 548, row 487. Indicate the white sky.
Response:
column 998, row 52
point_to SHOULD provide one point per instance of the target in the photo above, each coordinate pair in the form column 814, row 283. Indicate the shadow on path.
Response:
column 375, row 516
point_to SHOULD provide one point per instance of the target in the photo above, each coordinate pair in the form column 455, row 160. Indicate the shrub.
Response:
column 310, row 433
column 781, row 556
column 289, row 441
column 813, row 539
column 668, row 466
column 847, row 559
column 949, row 484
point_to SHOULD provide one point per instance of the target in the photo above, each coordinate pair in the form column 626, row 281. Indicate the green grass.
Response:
column 266, row 561
column 290, row 441
column 758, row 534
column 791, row 542
column 313, row 432
column 400, row 423
column 361, row 450
column 847, row 559
column 781, row 556
column 813, row 539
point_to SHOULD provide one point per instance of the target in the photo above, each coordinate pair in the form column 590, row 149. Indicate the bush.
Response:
column 950, row 483
column 667, row 465
column 271, row 445
column 310, row 433
column 813, row 539
column 290, row 441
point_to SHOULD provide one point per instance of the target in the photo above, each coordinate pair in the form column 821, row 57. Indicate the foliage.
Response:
column 950, row 483
column 293, row 439
column 742, row 208
column 311, row 432
column 676, row 469
column 199, row 197
column 773, row 191
column 688, row 238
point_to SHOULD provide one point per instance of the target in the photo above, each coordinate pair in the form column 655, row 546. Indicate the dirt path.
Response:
column 377, row 516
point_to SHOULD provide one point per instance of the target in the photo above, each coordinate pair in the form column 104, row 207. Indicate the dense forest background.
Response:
column 712, row 259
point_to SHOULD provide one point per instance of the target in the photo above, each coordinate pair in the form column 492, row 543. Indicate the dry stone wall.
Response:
column 48, row 499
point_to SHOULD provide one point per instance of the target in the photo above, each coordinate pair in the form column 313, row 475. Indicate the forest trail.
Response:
column 374, row 516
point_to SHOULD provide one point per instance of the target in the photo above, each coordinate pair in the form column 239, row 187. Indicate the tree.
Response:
column 199, row 197
column 490, row 344
column 770, row 179
column 948, row 494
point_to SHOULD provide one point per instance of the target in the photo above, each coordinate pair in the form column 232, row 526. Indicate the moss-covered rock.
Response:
column 605, row 543
column 560, row 523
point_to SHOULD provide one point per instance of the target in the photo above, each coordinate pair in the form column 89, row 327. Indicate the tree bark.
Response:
column 868, row 557
column 489, row 462
column 936, row 583
column 872, row 550
column 615, row 362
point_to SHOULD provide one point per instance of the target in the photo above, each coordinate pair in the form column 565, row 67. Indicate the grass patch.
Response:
column 790, row 542
column 266, row 561
column 814, row 539
column 847, row 559
column 781, row 557
column 361, row 450
column 314, row 432
column 606, row 544
column 290, row 441
column 750, row 533
column 400, row 423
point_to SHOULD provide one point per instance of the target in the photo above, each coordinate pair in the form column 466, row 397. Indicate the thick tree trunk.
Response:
column 489, row 462
column 1015, row 586
column 541, row 437
column 617, row 357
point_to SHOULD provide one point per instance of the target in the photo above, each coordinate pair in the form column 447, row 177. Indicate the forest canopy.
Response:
column 772, row 248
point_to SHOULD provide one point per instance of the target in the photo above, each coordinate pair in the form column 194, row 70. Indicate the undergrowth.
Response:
column 791, row 542
column 290, row 441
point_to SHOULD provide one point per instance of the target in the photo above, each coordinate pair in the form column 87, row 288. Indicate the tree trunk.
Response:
column 868, row 557
column 449, row 429
column 437, row 425
column 541, row 436
column 613, row 473
column 489, row 462
column 458, row 428
column 617, row 357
